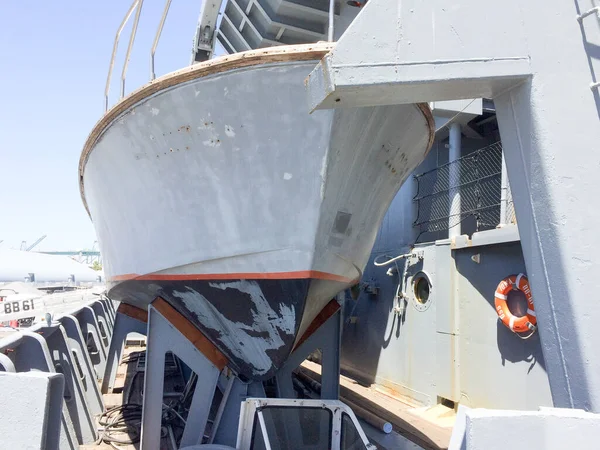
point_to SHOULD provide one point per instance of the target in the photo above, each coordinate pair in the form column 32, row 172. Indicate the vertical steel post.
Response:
column 454, row 181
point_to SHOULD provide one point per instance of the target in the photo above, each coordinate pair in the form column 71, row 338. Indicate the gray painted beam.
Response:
column 328, row 339
column 78, row 346
column 444, row 58
column 163, row 337
column 105, row 325
column 226, row 434
column 123, row 326
column 29, row 352
column 91, row 332
column 75, row 399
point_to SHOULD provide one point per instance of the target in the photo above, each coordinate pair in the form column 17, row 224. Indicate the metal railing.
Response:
column 136, row 4
column 331, row 15
column 137, row 7
column 485, row 198
column 157, row 37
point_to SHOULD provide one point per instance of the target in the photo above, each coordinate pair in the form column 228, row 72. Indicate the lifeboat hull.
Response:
column 214, row 189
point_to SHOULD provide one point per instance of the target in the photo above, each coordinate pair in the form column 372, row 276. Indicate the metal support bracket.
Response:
column 104, row 323
column 206, row 32
column 91, row 332
column 229, row 413
column 28, row 421
column 109, row 314
column 324, row 334
column 28, row 352
column 83, row 363
column 75, row 399
column 169, row 331
column 110, row 306
column 129, row 319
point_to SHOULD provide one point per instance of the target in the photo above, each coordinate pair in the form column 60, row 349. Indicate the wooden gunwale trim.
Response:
column 426, row 111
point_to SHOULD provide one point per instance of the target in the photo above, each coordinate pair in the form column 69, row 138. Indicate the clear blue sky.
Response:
column 54, row 59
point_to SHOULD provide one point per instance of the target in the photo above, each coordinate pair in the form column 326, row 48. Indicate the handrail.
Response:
column 331, row 15
column 114, row 52
column 131, row 39
column 137, row 6
column 157, row 37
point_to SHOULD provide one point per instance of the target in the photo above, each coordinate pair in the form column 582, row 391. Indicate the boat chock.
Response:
column 517, row 324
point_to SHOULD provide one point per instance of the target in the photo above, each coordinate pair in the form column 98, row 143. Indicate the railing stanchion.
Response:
column 114, row 52
column 157, row 38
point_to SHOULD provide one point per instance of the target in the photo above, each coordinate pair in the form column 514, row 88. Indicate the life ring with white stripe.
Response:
column 514, row 323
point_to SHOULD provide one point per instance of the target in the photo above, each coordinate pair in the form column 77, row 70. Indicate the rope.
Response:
column 127, row 419
column 528, row 336
column 122, row 424
column 121, row 419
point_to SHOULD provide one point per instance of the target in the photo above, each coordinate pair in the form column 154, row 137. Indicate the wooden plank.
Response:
column 193, row 334
column 120, row 378
column 111, row 400
column 125, row 370
column 133, row 312
column 130, row 380
column 105, row 446
column 417, row 429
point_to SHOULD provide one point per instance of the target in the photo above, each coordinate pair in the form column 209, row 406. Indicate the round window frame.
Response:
column 418, row 304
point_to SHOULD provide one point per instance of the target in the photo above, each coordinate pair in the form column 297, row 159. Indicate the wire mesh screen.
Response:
column 476, row 179
column 510, row 207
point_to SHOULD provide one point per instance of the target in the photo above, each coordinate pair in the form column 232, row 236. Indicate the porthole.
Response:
column 421, row 291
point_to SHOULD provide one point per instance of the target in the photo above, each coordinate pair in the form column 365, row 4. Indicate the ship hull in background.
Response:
column 215, row 189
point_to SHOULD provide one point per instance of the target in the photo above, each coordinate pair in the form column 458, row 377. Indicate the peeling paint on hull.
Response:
column 254, row 322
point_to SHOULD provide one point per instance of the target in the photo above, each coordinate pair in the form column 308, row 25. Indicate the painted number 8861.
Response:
column 15, row 307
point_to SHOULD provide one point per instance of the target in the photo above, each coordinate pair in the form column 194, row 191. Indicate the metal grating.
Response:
column 251, row 24
column 479, row 182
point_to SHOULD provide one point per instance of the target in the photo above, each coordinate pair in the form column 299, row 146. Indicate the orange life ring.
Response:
column 516, row 324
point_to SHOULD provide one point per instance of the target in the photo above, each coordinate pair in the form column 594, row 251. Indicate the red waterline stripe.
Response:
column 301, row 274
